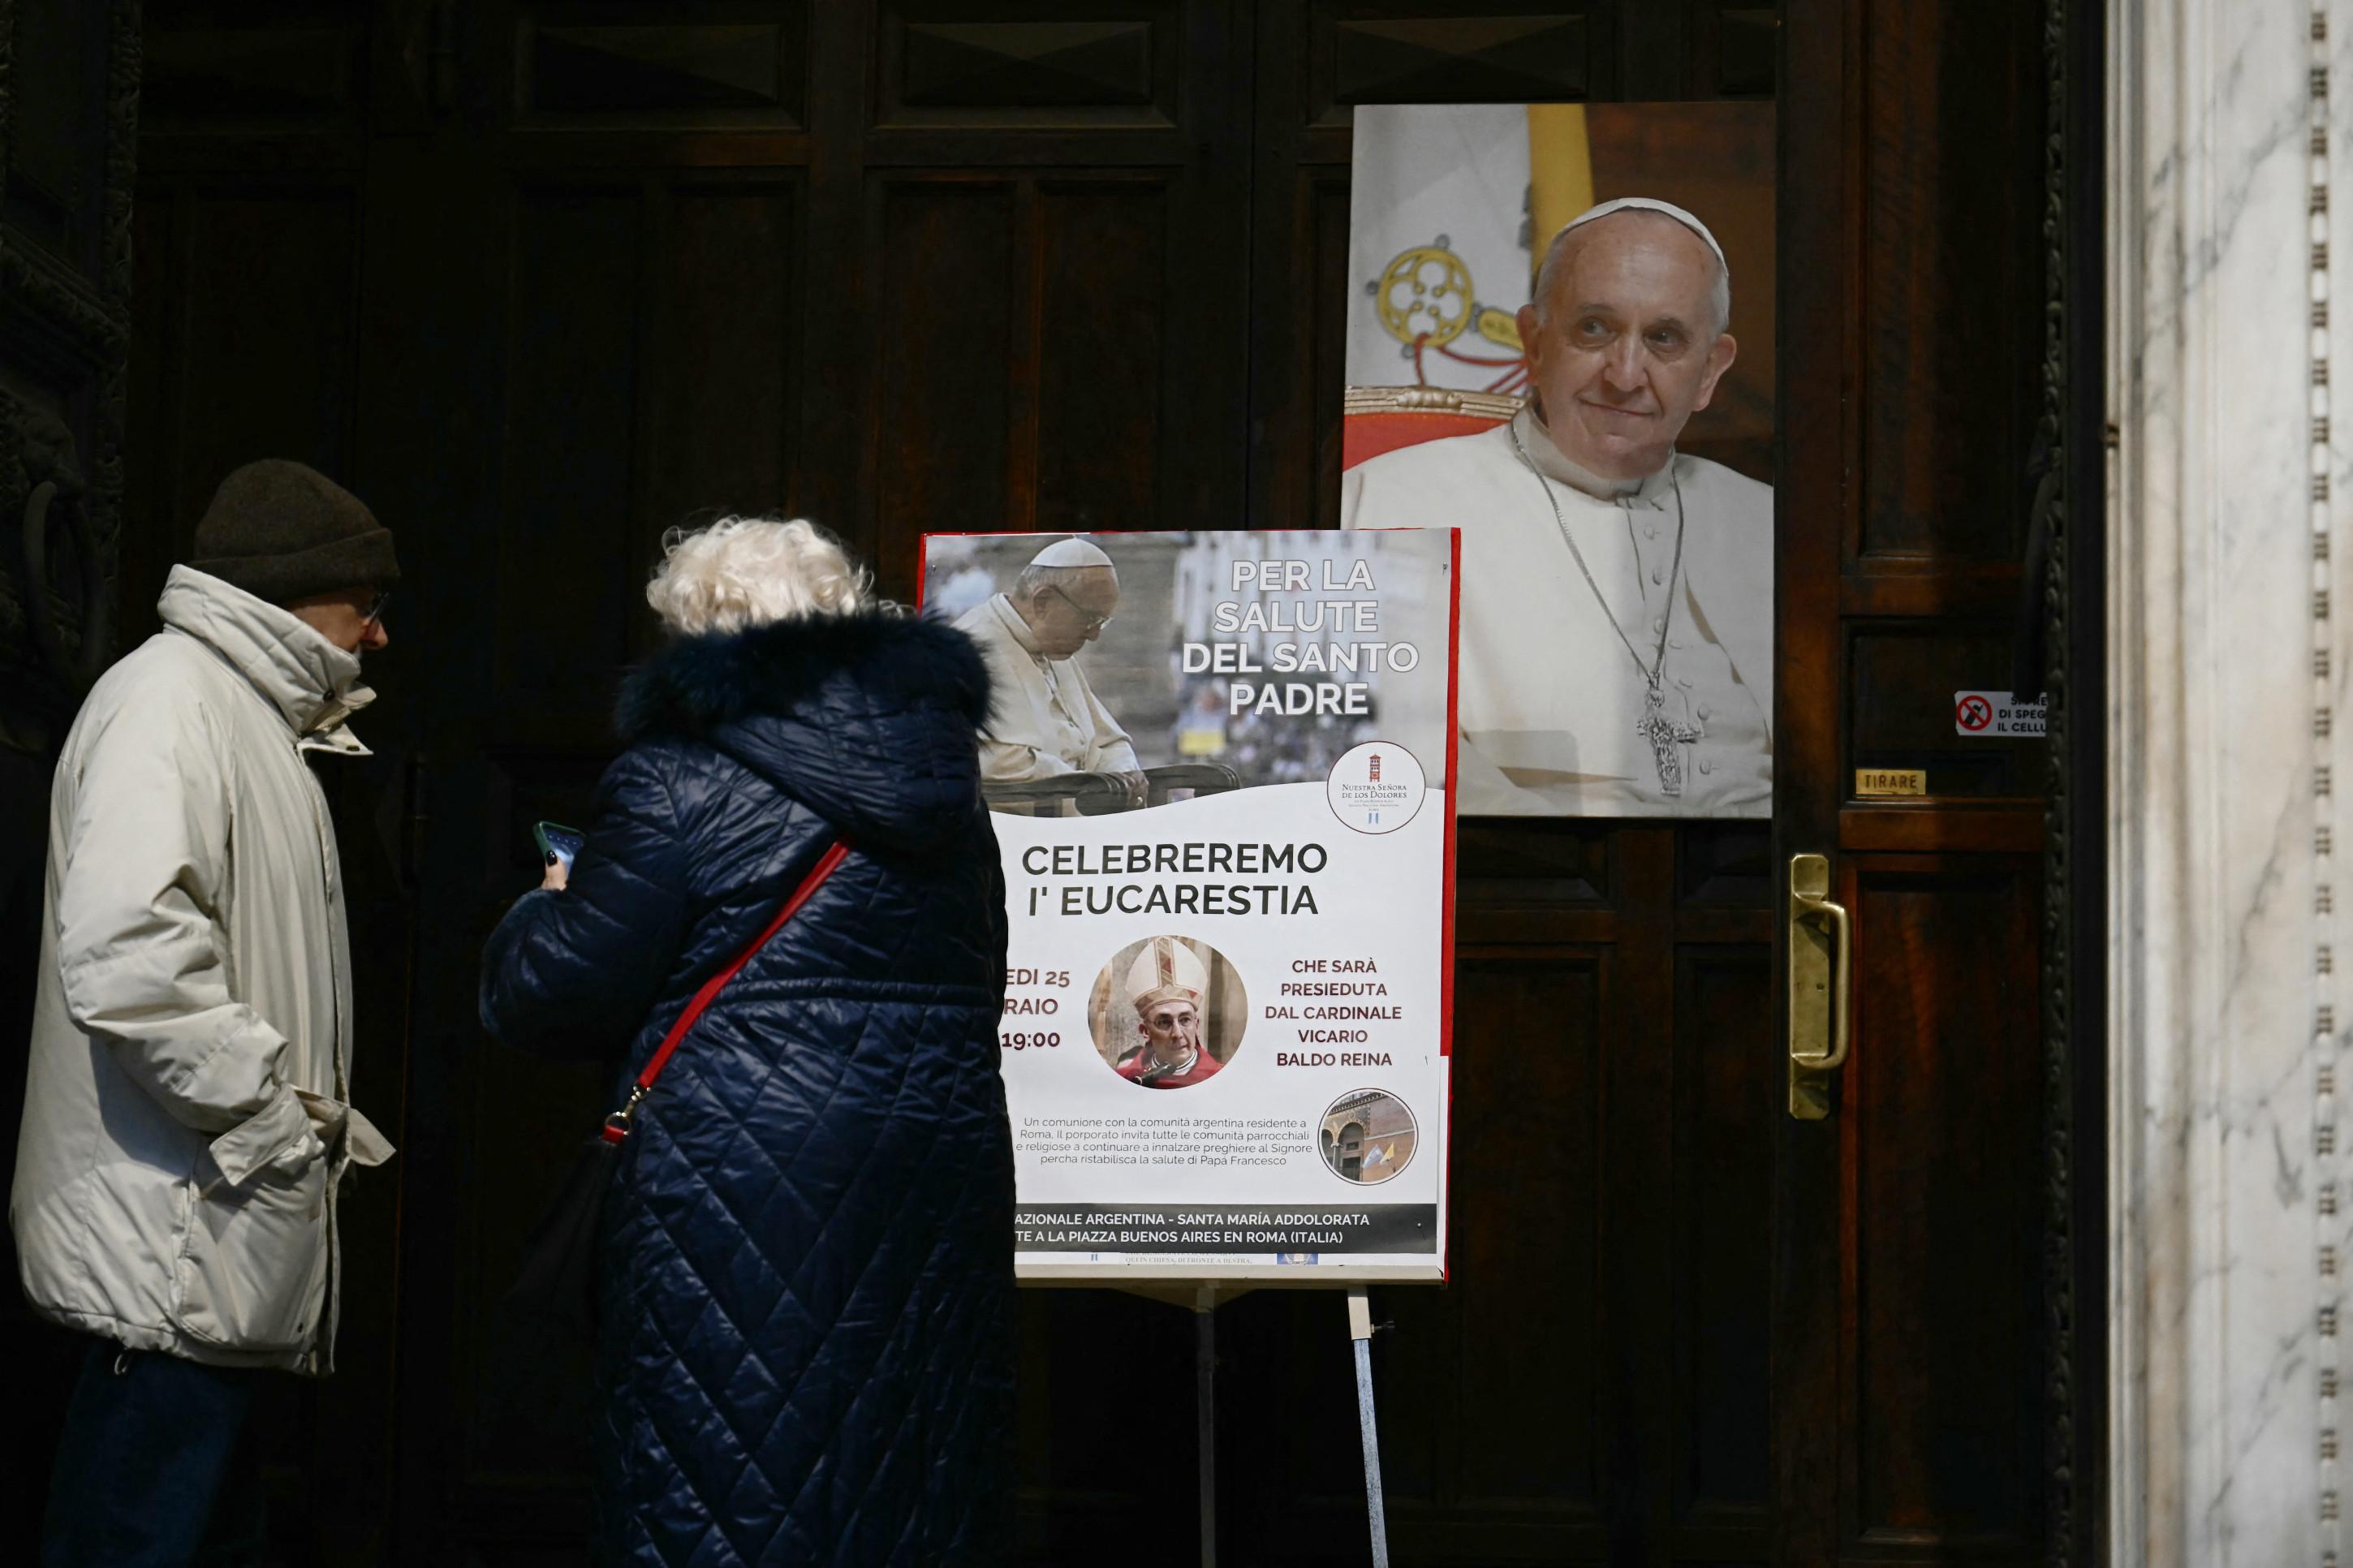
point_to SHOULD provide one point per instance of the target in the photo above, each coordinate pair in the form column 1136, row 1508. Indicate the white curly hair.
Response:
column 748, row 571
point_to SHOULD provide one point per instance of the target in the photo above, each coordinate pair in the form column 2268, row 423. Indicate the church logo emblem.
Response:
column 1377, row 787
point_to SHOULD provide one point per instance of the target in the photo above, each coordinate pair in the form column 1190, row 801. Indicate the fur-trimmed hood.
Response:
column 869, row 720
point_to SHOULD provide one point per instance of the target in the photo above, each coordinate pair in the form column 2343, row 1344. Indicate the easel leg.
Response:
column 1360, row 1330
column 1205, row 1407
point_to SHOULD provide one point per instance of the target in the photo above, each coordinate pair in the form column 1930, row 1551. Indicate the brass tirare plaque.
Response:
column 1891, row 781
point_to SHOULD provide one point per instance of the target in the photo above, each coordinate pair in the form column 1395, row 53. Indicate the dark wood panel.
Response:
column 941, row 430
column 973, row 150
column 1736, row 48
column 252, row 302
column 1298, row 278
column 699, row 65
column 56, row 138
column 1101, row 332
column 1902, row 712
column 1325, row 315
column 1724, row 1072
column 1299, row 369
column 1555, row 862
column 728, row 381
column 569, row 452
column 268, row 302
column 1942, row 1152
column 1724, row 864
column 611, row 149
column 1952, row 166
column 1110, row 63
column 1047, row 362
column 1529, row 1131
column 251, row 66
column 1411, row 51
column 151, row 532
column 1922, row 826
column 1108, row 1437
column 1893, row 585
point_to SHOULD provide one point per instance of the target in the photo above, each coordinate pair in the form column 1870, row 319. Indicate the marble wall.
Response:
column 2228, row 1185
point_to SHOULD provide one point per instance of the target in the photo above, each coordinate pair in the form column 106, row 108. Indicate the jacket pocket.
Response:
column 252, row 1268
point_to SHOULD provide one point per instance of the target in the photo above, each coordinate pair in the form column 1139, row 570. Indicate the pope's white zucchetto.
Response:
column 1648, row 205
column 1070, row 553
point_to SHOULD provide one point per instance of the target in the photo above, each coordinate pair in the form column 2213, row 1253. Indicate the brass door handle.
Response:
column 1822, row 948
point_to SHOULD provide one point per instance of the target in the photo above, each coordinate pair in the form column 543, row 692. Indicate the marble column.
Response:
column 2228, row 1179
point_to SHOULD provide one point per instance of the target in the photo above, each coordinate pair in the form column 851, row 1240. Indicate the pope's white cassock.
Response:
column 1550, row 698
column 1046, row 719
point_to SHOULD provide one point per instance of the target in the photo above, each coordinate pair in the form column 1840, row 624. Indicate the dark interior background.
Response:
column 539, row 279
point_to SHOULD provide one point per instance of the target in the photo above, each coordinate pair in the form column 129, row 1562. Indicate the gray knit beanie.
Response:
column 284, row 532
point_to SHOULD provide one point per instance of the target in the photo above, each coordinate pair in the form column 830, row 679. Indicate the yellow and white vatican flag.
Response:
column 1449, row 205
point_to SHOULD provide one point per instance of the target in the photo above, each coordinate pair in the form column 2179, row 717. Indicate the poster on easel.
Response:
column 1220, row 766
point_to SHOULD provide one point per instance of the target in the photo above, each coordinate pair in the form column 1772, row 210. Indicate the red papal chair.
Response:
column 1377, row 419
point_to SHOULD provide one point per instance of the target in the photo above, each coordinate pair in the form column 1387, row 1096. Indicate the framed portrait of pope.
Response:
column 1560, row 342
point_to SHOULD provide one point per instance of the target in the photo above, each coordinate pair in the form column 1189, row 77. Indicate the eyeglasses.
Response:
column 1095, row 623
column 375, row 609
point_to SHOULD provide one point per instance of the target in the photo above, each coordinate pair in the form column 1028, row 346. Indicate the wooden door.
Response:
column 1923, row 1298
column 540, row 277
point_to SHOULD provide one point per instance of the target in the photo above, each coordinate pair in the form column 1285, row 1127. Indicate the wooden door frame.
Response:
column 1821, row 130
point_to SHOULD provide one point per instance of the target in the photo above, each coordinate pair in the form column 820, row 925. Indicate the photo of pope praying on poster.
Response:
column 1133, row 671
column 1560, row 344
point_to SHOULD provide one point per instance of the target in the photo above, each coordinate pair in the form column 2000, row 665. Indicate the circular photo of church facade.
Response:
column 1368, row 1136
column 1167, row 1012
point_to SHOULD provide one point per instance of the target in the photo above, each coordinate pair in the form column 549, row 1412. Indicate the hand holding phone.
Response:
column 558, row 845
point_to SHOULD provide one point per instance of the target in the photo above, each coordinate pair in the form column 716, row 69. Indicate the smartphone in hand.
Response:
column 562, row 842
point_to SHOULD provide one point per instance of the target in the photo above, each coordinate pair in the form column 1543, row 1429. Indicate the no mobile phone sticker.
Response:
column 1988, row 713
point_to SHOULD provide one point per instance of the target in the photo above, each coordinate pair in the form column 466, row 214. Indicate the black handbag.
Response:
column 555, row 1288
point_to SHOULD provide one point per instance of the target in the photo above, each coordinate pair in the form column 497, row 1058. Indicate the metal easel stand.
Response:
column 1360, row 1330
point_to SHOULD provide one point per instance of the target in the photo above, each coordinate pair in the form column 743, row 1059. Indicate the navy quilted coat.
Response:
column 807, row 1288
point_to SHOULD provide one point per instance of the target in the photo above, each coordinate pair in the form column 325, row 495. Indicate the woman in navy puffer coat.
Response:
column 807, row 1281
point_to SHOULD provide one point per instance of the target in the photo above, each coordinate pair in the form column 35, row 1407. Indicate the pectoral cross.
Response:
column 1664, row 735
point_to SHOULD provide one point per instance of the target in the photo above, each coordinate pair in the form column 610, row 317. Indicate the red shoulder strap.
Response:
column 616, row 1126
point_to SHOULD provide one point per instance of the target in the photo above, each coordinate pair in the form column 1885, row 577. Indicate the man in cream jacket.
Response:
column 188, row 1113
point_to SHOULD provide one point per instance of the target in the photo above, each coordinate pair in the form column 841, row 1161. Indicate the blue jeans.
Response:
column 154, row 1469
